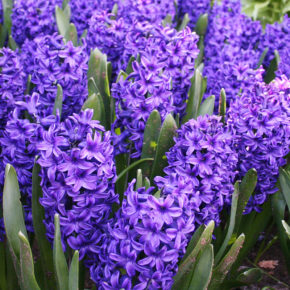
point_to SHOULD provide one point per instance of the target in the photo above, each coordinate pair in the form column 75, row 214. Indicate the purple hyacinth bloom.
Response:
column 78, row 175
column 194, row 8
column 260, row 121
column 50, row 62
column 160, row 81
column 145, row 243
column 82, row 11
column 231, row 55
column 31, row 18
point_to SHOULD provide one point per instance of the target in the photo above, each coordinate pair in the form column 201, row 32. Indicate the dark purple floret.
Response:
column 160, row 80
column 78, row 175
column 32, row 18
column 194, row 8
column 231, row 55
column 82, row 11
column 51, row 62
column 260, row 121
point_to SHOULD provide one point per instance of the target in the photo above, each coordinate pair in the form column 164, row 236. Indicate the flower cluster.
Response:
column 159, row 81
column 230, row 54
column 202, row 166
column 18, row 143
column 12, row 83
column 194, row 8
column 280, row 42
column 148, row 237
column 51, row 62
column 260, row 121
column 32, row 18
column 82, row 11
column 153, row 11
column 109, row 35
column 78, row 175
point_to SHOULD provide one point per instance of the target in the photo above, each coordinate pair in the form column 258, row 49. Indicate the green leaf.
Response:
column 167, row 21
column 139, row 179
column 184, row 22
column 60, row 265
column 122, row 74
column 278, row 210
column 3, row 284
column 284, row 178
column 62, row 19
column 7, row 6
column 133, row 165
column 222, row 269
column 74, row 272
column 201, row 25
column 71, row 34
column 150, row 140
column 95, row 102
column 27, row 264
column 64, row 3
column 92, row 87
column 115, row 9
column 207, row 106
column 250, row 276
column 270, row 74
column 203, row 269
column 129, row 68
column 193, row 242
column 262, row 57
column 38, row 215
column 165, row 142
column 287, row 228
column 58, row 101
column 223, row 105
column 194, row 97
column 13, row 280
column 247, row 188
column 146, row 182
column 188, row 263
column 98, row 70
column 231, row 227
column 11, row 43
column 13, row 211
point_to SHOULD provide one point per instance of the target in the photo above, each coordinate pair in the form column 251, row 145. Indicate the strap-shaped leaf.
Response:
column 223, row 105
column 74, row 272
column 185, row 21
column 3, row 284
column 284, row 178
column 13, row 211
column 250, row 276
column 201, row 25
column 287, row 228
column 207, row 106
column 7, row 6
column 150, row 139
column 58, row 101
column 139, row 179
column 203, row 269
column 165, row 142
column 262, row 57
column 27, row 264
column 247, row 188
column 62, row 19
column 187, row 265
column 60, row 265
column 270, row 74
column 71, row 34
column 38, row 215
column 220, row 272
column 95, row 102
column 231, row 227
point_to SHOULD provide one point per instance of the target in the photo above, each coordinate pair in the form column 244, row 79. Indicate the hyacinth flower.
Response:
column 159, row 81
column 78, row 175
column 150, row 234
column 32, row 18
column 260, row 121
column 51, row 62
column 194, row 8
column 231, row 55
column 280, row 42
column 82, row 11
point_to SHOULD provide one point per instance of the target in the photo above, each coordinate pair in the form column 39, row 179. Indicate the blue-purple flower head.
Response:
column 148, row 237
column 12, row 83
column 194, row 9
column 159, row 81
column 78, row 175
column 260, row 121
column 82, row 11
column 202, row 166
column 230, row 54
column 50, row 62
column 18, row 143
column 32, row 18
